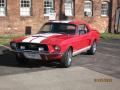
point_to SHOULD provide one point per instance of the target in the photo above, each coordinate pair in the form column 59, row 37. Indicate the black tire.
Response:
column 93, row 49
column 66, row 60
column 21, row 59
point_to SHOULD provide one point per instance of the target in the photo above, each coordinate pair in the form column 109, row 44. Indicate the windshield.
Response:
column 58, row 28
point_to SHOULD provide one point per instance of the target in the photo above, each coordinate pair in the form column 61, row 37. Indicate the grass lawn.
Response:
column 105, row 36
column 5, row 39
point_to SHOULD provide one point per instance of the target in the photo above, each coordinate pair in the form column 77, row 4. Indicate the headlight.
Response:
column 13, row 45
column 41, row 49
column 57, row 48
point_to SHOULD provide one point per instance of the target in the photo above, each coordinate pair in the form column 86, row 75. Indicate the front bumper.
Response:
column 43, row 55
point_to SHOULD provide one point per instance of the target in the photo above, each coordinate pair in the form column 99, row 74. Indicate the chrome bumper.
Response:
column 37, row 52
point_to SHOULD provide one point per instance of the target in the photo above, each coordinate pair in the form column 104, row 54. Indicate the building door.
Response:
column 117, row 21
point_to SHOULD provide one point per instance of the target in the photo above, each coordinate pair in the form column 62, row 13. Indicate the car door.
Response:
column 83, row 36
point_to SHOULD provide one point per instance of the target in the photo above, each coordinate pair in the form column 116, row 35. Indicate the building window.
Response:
column 2, row 7
column 48, row 7
column 88, row 8
column 25, row 8
column 104, row 9
column 69, row 7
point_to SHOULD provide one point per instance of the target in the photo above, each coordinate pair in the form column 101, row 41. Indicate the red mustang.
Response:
column 57, row 40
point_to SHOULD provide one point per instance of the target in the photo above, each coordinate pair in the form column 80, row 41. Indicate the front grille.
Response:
column 32, row 46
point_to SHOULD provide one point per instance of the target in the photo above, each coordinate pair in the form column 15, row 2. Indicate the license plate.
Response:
column 32, row 55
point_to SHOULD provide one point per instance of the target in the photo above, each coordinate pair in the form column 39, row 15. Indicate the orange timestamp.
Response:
column 107, row 80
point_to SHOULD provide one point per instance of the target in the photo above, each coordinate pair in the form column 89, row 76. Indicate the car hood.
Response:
column 44, row 38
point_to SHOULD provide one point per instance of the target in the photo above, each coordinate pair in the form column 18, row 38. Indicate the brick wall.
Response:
column 96, row 21
column 13, row 23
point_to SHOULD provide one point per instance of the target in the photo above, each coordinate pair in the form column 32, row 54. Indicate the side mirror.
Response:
column 28, row 30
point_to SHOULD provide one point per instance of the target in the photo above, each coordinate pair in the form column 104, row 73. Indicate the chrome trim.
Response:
column 41, row 53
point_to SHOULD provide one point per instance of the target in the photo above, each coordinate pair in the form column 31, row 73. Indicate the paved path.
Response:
column 74, row 78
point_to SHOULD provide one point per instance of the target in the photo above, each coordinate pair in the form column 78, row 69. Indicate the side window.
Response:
column 82, row 29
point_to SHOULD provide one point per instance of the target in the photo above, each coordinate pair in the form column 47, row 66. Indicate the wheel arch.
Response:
column 94, row 40
column 70, row 47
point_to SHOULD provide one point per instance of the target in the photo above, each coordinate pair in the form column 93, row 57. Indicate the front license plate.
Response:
column 32, row 55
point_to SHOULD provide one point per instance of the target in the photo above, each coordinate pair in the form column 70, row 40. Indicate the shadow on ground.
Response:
column 8, row 59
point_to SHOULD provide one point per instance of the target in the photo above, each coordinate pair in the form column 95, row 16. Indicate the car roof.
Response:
column 61, row 21
column 75, row 22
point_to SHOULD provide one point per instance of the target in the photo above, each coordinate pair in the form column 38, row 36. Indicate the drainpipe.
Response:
column 110, row 16
column 60, row 9
column 118, row 23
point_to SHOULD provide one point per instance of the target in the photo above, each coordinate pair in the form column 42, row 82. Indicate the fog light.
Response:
column 22, row 47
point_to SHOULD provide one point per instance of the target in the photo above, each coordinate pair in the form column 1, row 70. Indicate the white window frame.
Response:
column 88, row 8
column 69, row 7
column 24, row 9
column 105, row 9
column 48, row 7
column 3, row 8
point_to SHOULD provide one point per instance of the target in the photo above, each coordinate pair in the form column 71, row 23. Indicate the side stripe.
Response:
column 81, row 50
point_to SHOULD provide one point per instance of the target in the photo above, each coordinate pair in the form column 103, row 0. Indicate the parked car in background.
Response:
column 57, row 40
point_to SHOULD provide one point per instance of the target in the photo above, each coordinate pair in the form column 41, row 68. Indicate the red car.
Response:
column 57, row 40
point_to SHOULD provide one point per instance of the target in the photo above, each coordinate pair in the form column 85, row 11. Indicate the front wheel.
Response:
column 67, row 59
column 93, row 48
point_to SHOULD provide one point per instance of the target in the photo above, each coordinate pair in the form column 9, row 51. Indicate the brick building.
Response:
column 18, row 15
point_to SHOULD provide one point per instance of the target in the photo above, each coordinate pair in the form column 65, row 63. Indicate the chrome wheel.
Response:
column 93, row 49
column 67, row 59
